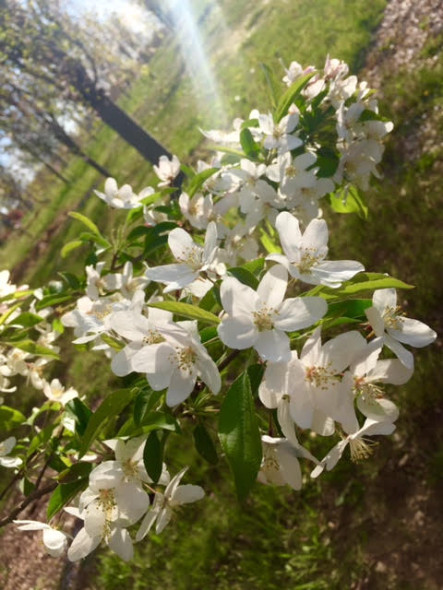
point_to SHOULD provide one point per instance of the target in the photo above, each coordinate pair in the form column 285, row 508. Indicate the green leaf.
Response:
column 27, row 320
column 51, row 300
column 363, row 281
column 86, row 221
column 70, row 246
column 10, row 418
column 268, row 243
column 110, row 407
column 290, row 96
column 199, row 179
column 239, row 435
column 255, row 266
column 38, row 442
column 33, row 348
column 186, row 310
column 244, row 276
column 144, row 403
column 113, row 342
column 63, row 494
column 153, row 456
column 80, row 470
column 250, row 147
column 349, row 200
column 151, row 421
column 81, row 414
column 255, row 374
column 90, row 237
column 204, row 444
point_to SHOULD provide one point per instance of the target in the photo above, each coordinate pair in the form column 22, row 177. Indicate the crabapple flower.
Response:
column 55, row 392
column 164, row 504
column 123, row 197
column 5, row 448
column 54, row 540
column 261, row 318
column 167, row 170
column 192, row 259
column 360, row 448
column 292, row 173
column 176, row 363
column 278, row 135
column 280, row 465
column 305, row 253
column 317, row 394
column 366, row 372
column 395, row 329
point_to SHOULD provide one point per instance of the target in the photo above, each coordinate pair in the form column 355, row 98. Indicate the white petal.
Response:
column 288, row 229
column 272, row 287
column 82, row 545
column 237, row 299
column 273, row 345
column 55, row 542
column 132, row 501
column 181, row 385
column 120, row 542
column 180, row 243
column 384, row 298
column 413, row 332
column 186, row 494
column 300, row 312
column 163, row 518
column 238, row 333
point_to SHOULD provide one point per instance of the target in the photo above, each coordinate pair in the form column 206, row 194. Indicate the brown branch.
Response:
column 35, row 495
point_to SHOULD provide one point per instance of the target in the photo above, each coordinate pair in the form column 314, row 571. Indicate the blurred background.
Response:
column 87, row 93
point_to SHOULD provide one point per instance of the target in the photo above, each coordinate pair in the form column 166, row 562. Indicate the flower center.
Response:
column 308, row 259
column 262, row 319
column 291, row 171
column 186, row 358
column 360, row 449
column 153, row 337
column 193, row 258
column 392, row 318
column 320, row 377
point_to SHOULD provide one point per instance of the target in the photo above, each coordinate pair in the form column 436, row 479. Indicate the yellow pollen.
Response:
column 307, row 261
column 320, row 377
column 291, row 171
column 263, row 320
column 153, row 337
column 193, row 257
column 392, row 318
column 186, row 358
column 360, row 449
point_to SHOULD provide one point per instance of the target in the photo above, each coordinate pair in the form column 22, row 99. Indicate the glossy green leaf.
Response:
column 291, row 95
column 239, row 435
column 10, row 418
column 186, row 310
column 63, row 494
column 80, row 470
column 110, row 407
column 244, row 276
column 349, row 201
column 249, row 145
column 81, row 414
column 199, row 179
column 363, row 281
column 26, row 319
column 70, row 246
column 86, row 221
column 153, row 456
column 204, row 444
column 34, row 348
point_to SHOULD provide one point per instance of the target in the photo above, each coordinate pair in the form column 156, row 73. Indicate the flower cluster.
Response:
column 218, row 299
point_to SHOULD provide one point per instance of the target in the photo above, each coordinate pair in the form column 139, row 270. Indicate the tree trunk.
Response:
column 72, row 145
column 116, row 118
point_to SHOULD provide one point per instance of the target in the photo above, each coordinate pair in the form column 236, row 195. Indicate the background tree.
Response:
column 42, row 42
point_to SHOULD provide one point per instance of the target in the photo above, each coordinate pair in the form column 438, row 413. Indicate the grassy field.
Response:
column 338, row 530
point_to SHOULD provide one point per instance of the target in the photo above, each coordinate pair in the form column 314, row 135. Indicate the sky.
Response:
column 129, row 12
